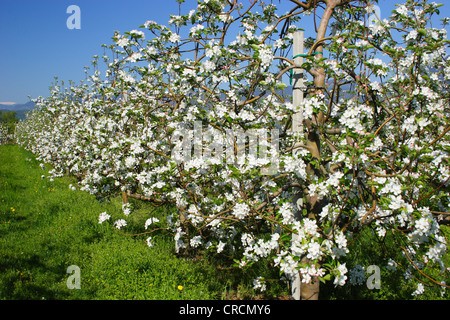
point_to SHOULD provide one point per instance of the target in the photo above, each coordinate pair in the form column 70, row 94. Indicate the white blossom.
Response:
column 241, row 210
column 120, row 223
column 103, row 217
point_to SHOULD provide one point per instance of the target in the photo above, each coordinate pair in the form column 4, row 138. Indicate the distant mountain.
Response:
column 20, row 108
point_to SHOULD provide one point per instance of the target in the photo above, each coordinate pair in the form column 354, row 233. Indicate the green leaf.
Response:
column 281, row 86
column 325, row 278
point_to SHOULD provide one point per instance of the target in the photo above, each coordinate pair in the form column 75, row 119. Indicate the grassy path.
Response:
column 46, row 227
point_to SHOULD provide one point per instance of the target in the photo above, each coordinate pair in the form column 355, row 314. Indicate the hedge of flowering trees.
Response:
column 8, row 122
column 4, row 136
column 372, row 161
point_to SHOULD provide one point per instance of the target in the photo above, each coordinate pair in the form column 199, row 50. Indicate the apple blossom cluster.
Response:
column 382, row 121
column 4, row 136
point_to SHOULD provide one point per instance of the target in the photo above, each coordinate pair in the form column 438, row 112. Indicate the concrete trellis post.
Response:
column 124, row 193
column 297, row 130
column 298, row 85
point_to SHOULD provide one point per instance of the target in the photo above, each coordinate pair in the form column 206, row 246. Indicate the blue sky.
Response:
column 36, row 45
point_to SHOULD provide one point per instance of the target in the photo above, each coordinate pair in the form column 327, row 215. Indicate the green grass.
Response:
column 46, row 227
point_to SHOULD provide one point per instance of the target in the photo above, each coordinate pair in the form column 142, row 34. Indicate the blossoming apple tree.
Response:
column 3, row 133
column 372, row 160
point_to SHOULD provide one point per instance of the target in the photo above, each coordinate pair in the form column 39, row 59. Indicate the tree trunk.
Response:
column 310, row 291
column 124, row 198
